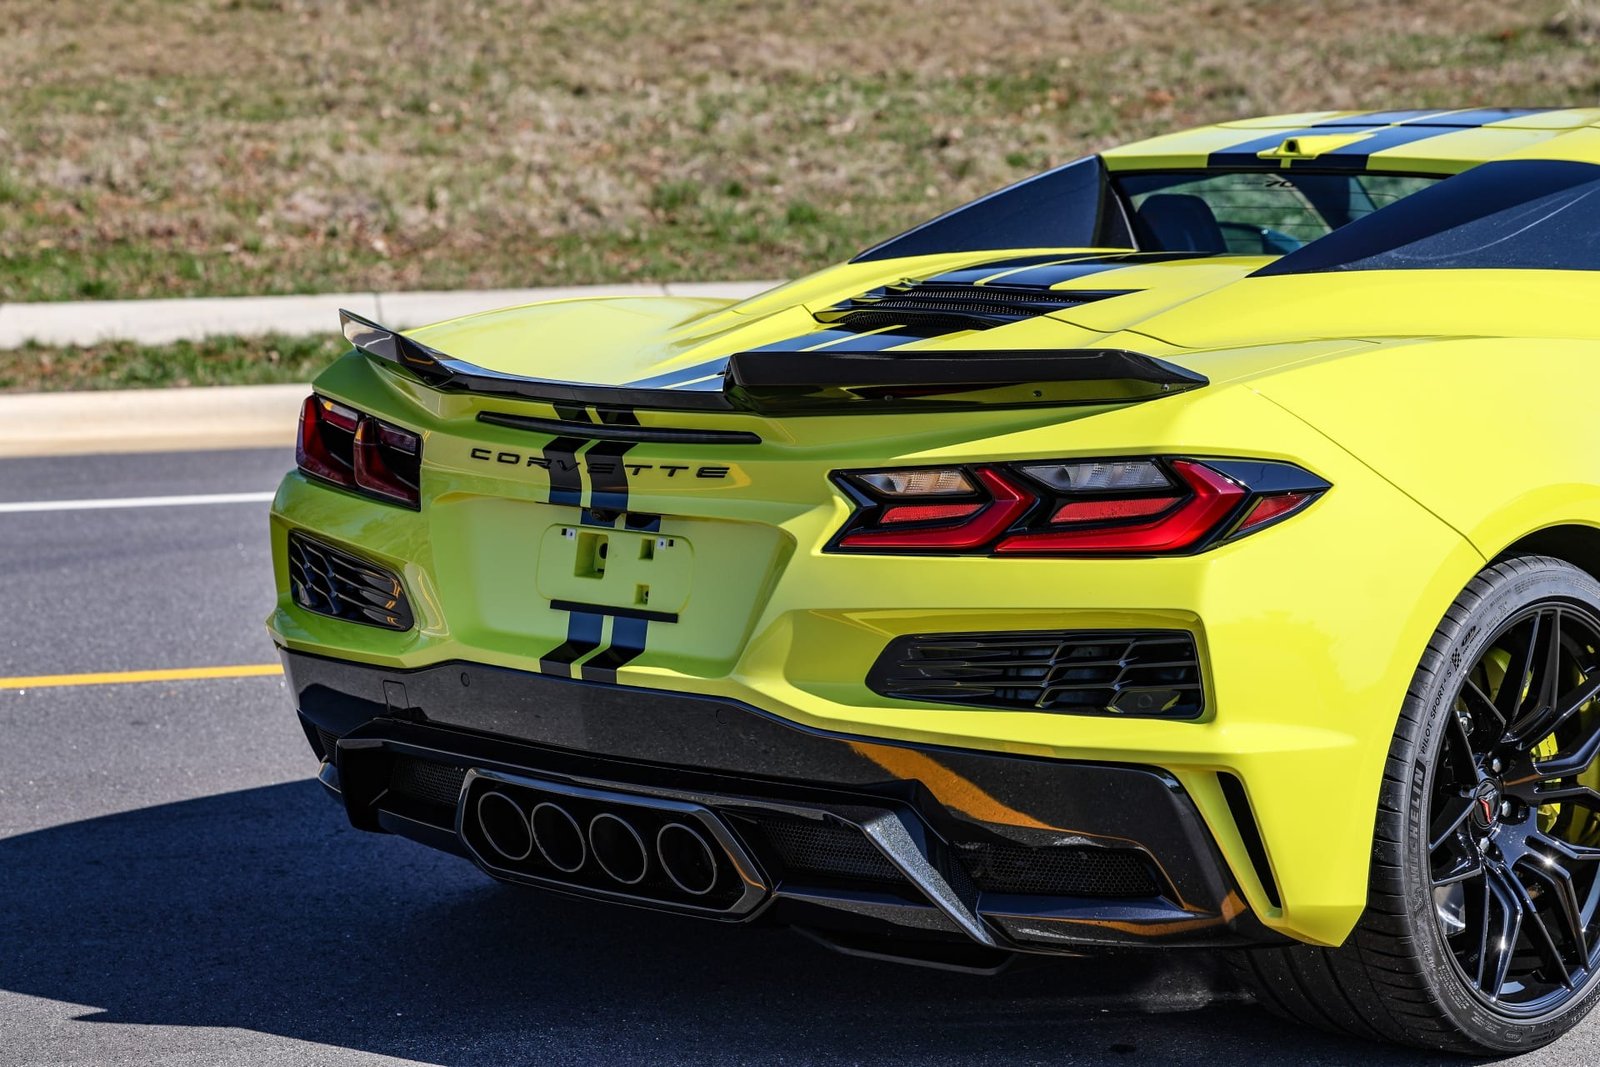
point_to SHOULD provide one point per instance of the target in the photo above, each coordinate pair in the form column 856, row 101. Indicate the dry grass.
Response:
column 151, row 147
column 125, row 365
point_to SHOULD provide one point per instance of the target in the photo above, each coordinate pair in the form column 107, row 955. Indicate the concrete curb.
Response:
column 149, row 420
column 157, row 322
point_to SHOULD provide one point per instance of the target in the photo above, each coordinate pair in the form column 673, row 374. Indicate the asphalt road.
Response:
column 175, row 889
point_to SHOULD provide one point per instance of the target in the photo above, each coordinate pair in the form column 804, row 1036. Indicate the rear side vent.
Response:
column 330, row 582
column 1100, row 672
column 1250, row 833
column 952, row 306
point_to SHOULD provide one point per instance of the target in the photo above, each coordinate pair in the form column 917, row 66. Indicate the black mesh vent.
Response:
column 330, row 582
column 1126, row 672
column 945, row 306
column 1059, row 871
column 437, row 783
column 806, row 850
column 326, row 741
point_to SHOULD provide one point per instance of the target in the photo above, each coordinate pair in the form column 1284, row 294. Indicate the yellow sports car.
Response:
column 1193, row 545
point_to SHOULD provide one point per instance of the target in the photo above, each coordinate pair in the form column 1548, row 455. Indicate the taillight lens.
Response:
column 360, row 452
column 1142, row 506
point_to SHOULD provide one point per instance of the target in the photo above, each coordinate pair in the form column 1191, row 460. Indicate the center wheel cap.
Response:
column 1485, row 805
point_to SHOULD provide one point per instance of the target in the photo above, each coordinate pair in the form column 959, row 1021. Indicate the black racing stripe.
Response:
column 1356, row 156
column 609, row 479
column 627, row 642
column 583, row 637
column 806, row 340
column 1487, row 116
column 561, row 457
column 625, row 613
column 1368, row 119
column 1392, row 129
column 681, row 375
column 989, row 266
column 1472, row 119
column 1247, row 153
column 608, row 475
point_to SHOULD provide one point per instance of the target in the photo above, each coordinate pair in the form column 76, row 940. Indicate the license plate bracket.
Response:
column 624, row 569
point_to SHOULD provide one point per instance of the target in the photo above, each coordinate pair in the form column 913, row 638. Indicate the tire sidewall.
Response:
column 1494, row 598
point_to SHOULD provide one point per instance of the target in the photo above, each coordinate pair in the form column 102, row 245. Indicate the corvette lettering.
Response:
column 597, row 466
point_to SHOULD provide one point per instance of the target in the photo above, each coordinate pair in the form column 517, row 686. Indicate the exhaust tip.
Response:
column 558, row 837
column 687, row 858
column 618, row 848
column 504, row 827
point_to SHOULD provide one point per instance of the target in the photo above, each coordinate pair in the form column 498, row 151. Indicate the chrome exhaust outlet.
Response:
column 618, row 848
column 504, row 826
column 687, row 858
column 558, row 837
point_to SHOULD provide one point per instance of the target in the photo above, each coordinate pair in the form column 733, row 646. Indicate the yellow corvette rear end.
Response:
column 1031, row 583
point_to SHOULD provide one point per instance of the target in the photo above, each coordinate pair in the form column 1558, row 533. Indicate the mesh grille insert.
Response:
column 1059, row 871
column 1127, row 672
column 437, row 783
column 328, row 741
column 806, row 849
column 330, row 582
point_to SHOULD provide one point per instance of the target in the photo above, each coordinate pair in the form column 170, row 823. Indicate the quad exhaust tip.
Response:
column 504, row 827
column 618, row 848
column 558, row 837
column 687, row 858
column 663, row 852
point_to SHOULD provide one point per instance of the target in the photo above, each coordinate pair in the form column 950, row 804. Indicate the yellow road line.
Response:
column 176, row 674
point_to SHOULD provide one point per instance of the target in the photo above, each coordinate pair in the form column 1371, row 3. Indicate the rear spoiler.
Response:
column 826, row 382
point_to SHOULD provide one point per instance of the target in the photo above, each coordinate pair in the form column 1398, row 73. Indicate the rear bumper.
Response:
column 828, row 831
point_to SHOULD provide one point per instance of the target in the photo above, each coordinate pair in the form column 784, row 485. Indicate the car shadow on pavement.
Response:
column 262, row 910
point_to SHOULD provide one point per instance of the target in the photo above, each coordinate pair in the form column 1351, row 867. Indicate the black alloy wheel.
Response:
column 1482, row 927
column 1514, row 816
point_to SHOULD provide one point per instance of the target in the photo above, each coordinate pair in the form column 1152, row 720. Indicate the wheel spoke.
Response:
column 1458, row 746
column 1546, row 720
column 1578, row 794
column 1543, row 942
column 1467, row 866
column 1558, row 880
column 1480, row 705
column 1571, row 763
column 1547, row 669
column 1509, row 697
column 1499, row 938
column 1449, row 821
column 1567, row 850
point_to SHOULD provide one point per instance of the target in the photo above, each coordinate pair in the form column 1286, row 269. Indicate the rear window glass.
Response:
column 1515, row 214
column 1254, row 212
column 1062, row 208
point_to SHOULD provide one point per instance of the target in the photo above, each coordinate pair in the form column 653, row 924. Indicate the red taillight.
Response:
column 1007, row 502
column 1138, row 506
column 1270, row 509
column 1084, row 511
column 928, row 513
column 359, row 452
column 1212, row 499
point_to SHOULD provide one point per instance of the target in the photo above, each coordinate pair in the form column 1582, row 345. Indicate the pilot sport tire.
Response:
column 1480, row 934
